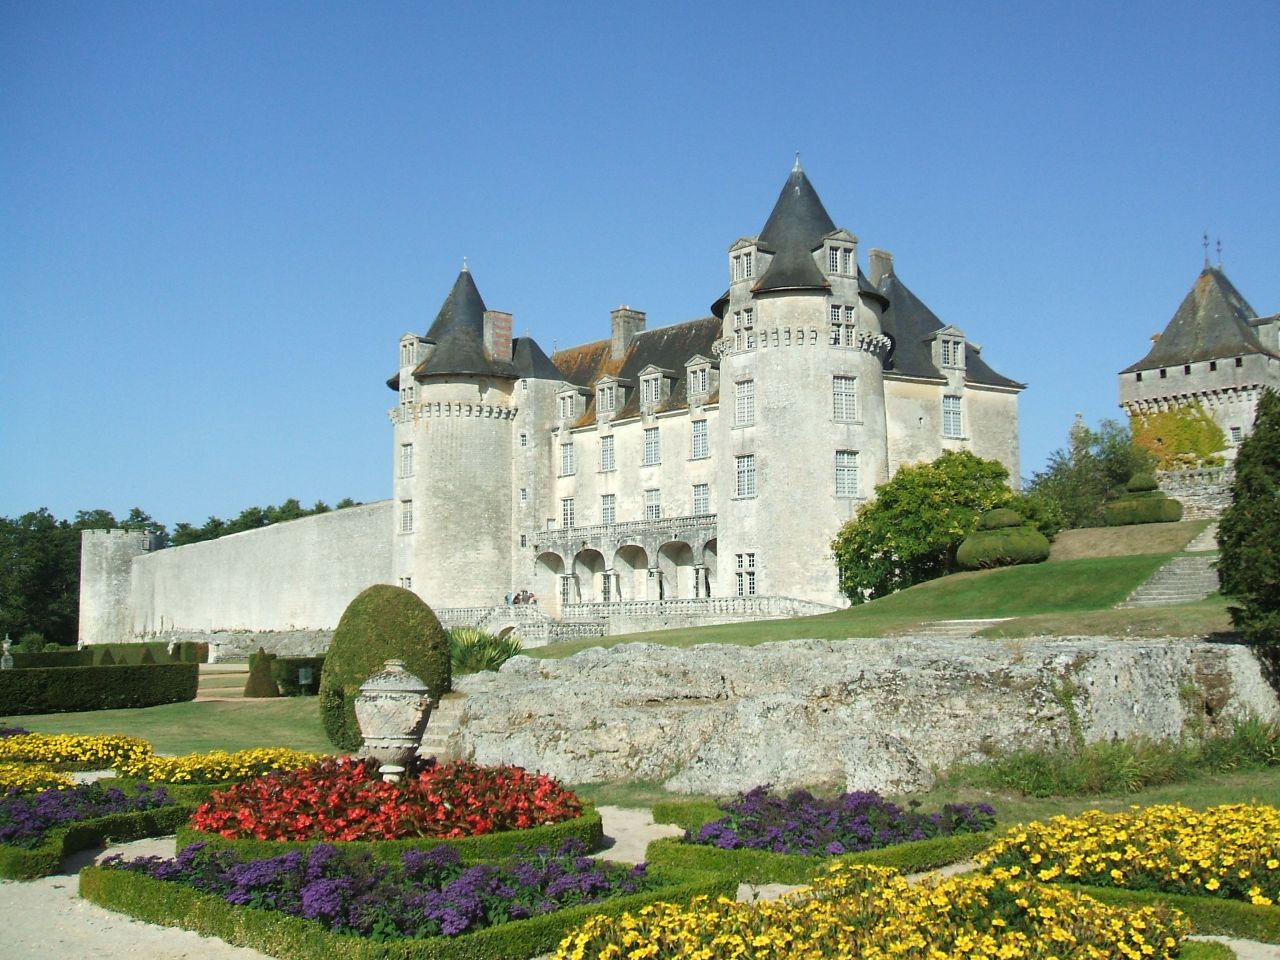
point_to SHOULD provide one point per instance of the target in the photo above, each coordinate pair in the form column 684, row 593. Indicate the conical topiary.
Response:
column 147, row 656
column 107, row 659
column 260, row 682
column 381, row 624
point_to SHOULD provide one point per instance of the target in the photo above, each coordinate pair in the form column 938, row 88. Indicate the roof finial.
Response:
column 796, row 168
column 1206, row 249
column 1219, row 253
column 466, row 269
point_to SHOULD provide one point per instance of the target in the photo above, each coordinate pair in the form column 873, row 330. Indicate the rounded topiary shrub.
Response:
column 382, row 623
column 1141, row 483
column 1002, row 539
column 1000, row 518
column 260, row 682
column 1142, row 508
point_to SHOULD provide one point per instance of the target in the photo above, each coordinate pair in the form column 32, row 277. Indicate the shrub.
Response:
column 260, row 682
column 107, row 660
column 287, row 673
column 382, row 623
column 1142, row 483
column 1142, row 509
column 472, row 650
column 61, row 689
column 147, row 656
column 1002, row 539
column 62, row 657
column 1180, row 438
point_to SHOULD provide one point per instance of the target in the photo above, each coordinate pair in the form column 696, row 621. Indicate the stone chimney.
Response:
column 626, row 324
column 881, row 262
column 497, row 335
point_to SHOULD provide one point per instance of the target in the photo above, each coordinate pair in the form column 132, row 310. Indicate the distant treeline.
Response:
column 40, row 560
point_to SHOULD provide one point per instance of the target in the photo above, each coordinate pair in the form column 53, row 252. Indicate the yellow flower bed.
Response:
column 216, row 766
column 88, row 752
column 32, row 778
column 1231, row 851
column 873, row 913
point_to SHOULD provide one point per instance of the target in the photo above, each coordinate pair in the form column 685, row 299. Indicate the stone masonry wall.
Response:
column 293, row 577
column 859, row 714
column 1203, row 493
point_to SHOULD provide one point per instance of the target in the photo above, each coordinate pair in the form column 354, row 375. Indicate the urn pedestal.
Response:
column 393, row 709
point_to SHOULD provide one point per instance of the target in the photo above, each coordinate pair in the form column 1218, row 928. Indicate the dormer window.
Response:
column 842, row 261
column 699, row 381
column 650, row 391
column 606, row 398
column 565, row 406
column 742, row 260
column 952, row 352
column 949, row 349
column 408, row 355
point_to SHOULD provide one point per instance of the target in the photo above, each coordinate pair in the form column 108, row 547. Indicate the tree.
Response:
column 909, row 532
column 1095, row 465
column 1249, row 530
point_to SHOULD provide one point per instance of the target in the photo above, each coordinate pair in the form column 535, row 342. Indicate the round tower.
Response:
column 452, row 454
column 802, row 429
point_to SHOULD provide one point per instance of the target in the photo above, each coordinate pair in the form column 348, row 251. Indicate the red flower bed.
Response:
column 343, row 799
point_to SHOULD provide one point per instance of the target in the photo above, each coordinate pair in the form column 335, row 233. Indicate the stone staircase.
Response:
column 1206, row 541
column 222, row 681
column 443, row 737
column 1181, row 580
column 950, row 629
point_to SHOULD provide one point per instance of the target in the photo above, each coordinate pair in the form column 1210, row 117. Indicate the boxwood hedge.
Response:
column 64, row 689
column 1212, row 915
column 28, row 863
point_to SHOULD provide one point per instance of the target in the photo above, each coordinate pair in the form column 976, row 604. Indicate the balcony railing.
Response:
column 701, row 527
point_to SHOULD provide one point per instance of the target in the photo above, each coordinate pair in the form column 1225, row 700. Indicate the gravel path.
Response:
column 46, row 920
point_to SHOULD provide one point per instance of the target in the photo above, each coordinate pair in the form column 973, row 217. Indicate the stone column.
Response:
column 698, row 573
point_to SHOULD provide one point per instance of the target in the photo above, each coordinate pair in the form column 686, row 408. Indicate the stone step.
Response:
column 1181, row 580
column 1205, row 541
column 952, row 629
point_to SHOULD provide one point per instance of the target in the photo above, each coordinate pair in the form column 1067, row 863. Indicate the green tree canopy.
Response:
column 908, row 533
column 1094, row 466
column 1249, row 530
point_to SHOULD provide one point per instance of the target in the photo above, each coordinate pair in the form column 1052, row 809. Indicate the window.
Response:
column 406, row 396
column 746, row 475
column 406, row 583
column 849, row 266
column 524, row 438
column 749, row 317
column 701, row 445
column 842, row 325
column 566, row 512
column 744, row 406
column 608, row 509
column 524, row 494
column 844, row 398
column 524, row 540
column 650, row 391
column 746, row 574
column 699, row 381
column 701, row 499
column 1237, row 434
column 952, row 352
column 846, row 473
column 406, row 354
column 1186, row 369
column 653, row 504
column 606, row 398
column 1239, row 363
column 607, row 462
column 567, row 464
column 406, row 516
column 1163, row 373
column 1139, row 376
column 833, row 260
column 565, row 406
column 951, row 423
column 1213, row 365
column 748, row 266
column 406, row 459
column 652, row 447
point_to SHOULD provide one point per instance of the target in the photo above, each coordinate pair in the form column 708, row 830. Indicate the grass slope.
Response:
column 1125, row 541
column 1066, row 587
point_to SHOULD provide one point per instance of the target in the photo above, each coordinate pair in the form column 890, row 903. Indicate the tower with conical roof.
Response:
column 801, row 397
column 465, row 389
column 1216, row 352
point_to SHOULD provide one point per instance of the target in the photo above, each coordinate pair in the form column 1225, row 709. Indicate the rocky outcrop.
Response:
column 860, row 714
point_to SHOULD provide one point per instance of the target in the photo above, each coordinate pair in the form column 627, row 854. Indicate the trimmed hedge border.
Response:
column 63, row 689
column 192, row 794
column 292, row 938
column 690, row 815
column 489, row 846
column 22, row 863
column 763, row 866
column 1211, row 915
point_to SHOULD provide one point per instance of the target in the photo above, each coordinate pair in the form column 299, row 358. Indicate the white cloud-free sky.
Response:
column 217, row 218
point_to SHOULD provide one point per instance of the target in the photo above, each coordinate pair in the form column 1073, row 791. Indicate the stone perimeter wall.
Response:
column 284, row 586
column 859, row 714
column 1203, row 493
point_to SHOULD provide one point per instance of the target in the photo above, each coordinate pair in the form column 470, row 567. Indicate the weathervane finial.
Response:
column 796, row 168
column 1219, row 253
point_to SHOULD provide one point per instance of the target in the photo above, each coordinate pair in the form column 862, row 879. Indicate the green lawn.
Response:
column 1065, row 587
column 192, row 727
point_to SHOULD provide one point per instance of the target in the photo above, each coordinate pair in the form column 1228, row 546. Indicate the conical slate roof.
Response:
column 793, row 231
column 1212, row 323
column 458, row 335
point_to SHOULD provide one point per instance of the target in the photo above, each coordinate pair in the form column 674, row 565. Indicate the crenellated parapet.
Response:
column 876, row 344
column 412, row 412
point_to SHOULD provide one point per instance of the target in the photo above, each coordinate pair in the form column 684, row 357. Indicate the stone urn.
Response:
column 392, row 710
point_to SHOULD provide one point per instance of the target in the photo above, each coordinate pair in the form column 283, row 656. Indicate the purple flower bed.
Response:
column 429, row 894
column 802, row 824
column 12, row 732
column 25, row 818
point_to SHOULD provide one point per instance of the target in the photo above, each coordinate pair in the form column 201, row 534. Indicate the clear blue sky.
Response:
column 216, row 219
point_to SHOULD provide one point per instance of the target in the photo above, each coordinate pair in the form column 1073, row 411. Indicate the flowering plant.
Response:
column 25, row 818
column 429, row 894
column 343, row 799
column 802, row 824
column 31, row 777
column 216, row 766
column 855, row 910
column 12, row 731
column 1230, row 851
column 68, row 749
